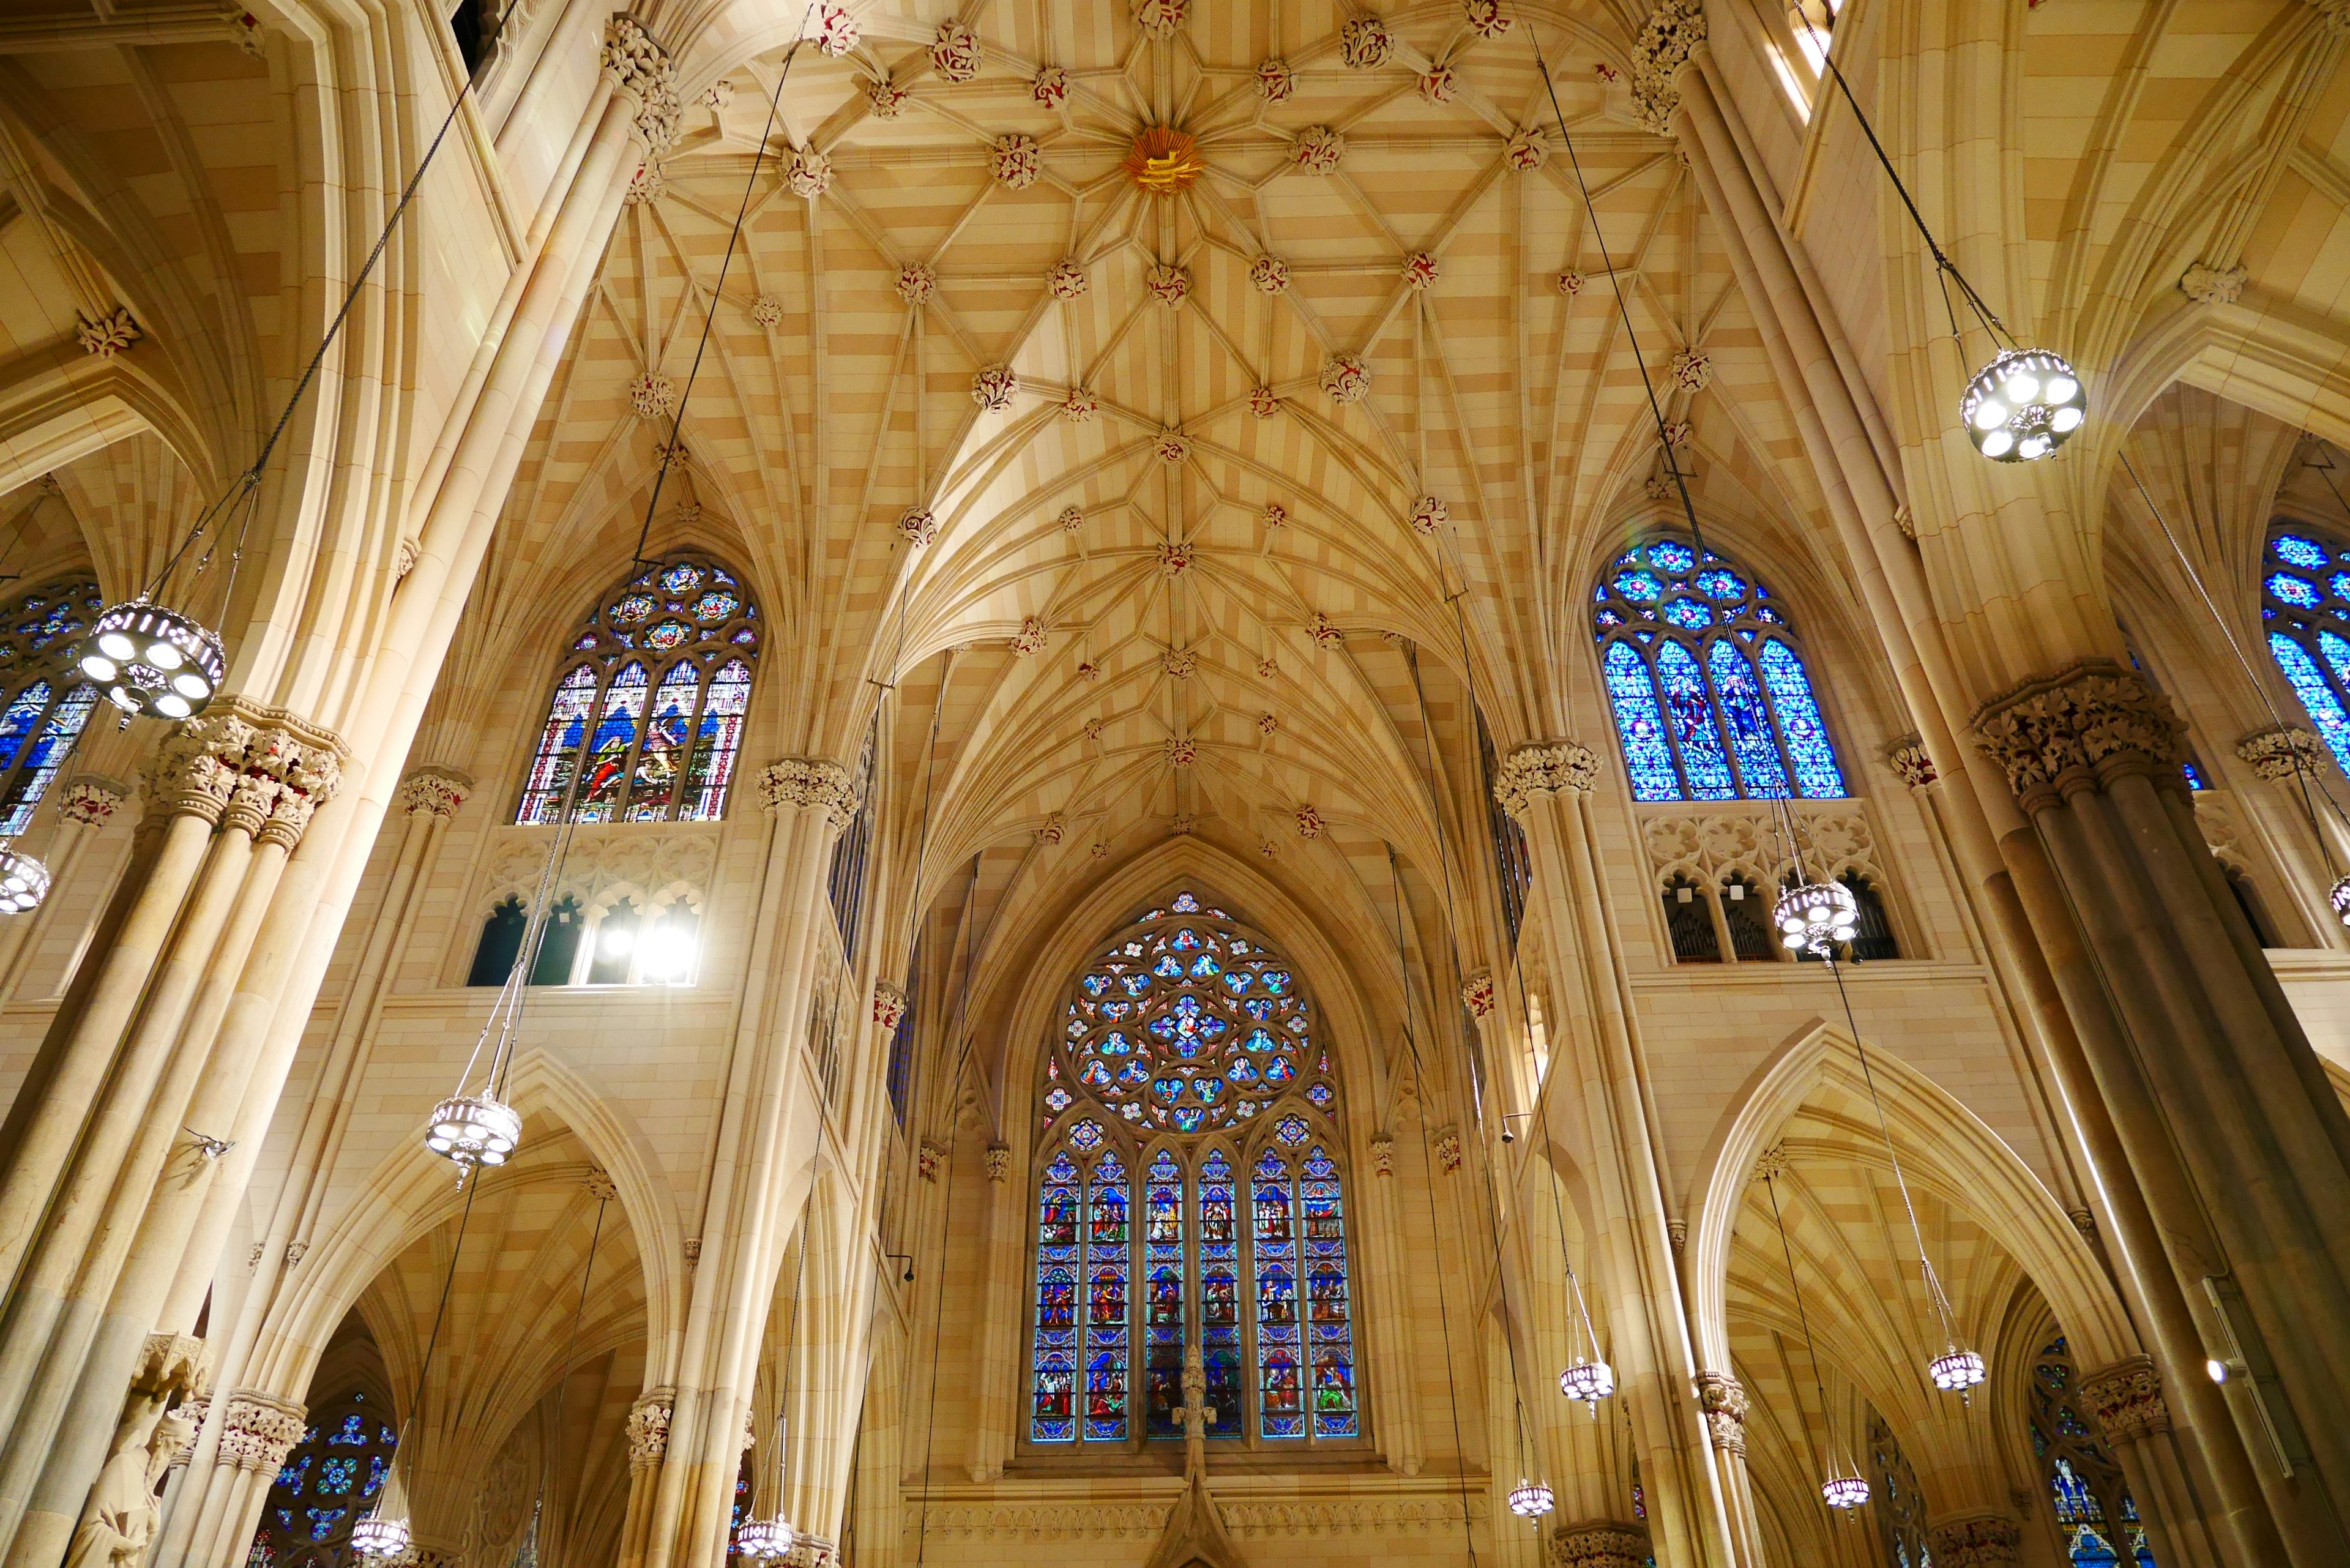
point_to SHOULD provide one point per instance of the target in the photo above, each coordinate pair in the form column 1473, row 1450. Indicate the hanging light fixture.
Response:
column 1812, row 916
column 1955, row 1371
column 1589, row 1381
column 2340, row 898
column 1844, row 1491
column 377, row 1538
column 1530, row 1500
column 23, row 881
column 153, row 661
column 474, row 1130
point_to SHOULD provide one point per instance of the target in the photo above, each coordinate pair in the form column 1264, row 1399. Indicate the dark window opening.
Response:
column 501, row 944
column 1875, row 938
column 558, row 945
column 1691, row 921
column 1749, row 921
column 1511, row 864
column 2249, row 902
column 616, row 943
column 466, row 21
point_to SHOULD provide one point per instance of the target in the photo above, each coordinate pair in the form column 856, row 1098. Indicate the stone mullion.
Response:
column 1688, row 1523
column 2126, row 1400
column 755, row 1188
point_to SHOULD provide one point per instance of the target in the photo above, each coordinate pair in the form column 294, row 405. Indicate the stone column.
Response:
column 1602, row 1111
column 1722, row 1400
column 2126, row 1402
column 1599, row 1543
column 2229, row 1124
column 649, row 1420
column 2307, row 846
column 84, row 805
column 760, row 1169
column 1003, row 1270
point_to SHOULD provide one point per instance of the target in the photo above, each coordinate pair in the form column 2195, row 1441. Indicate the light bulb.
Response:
column 2022, row 405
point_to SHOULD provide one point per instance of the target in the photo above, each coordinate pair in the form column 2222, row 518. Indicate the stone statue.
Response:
column 124, row 1506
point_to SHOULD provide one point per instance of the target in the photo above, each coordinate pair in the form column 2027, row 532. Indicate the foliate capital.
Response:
column 1543, row 768
column 435, row 792
column 808, row 782
column 255, row 767
column 999, row 1161
column 888, row 1003
column 642, row 68
column 91, row 798
column 1980, row 1541
column 258, row 1429
column 1674, row 28
column 1599, row 1543
column 2279, row 752
column 648, row 1430
column 1722, row 1401
column 1477, row 993
column 2078, row 729
column 2126, row 1400
column 1909, row 759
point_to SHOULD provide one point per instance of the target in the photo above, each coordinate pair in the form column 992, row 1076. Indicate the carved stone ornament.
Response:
column 433, row 791
column 1907, row 757
column 107, row 335
column 955, row 53
column 90, row 799
column 1056, row 828
column 642, row 68
column 1170, row 283
column 809, row 174
column 1447, row 1144
column 1984, row 1541
column 1180, row 663
column 1346, row 378
column 929, row 1159
column 648, row 1430
column 2077, row 730
column 1365, row 43
column 2277, row 753
column 1477, row 991
column 1018, row 160
column 1599, row 1543
column 1722, row 1401
column 1276, row 81
column 1439, row 84
column 599, row 1184
column 918, row 526
column 1309, row 822
column 653, row 396
column 1269, row 275
column 258, row 1430
column 2208, row 284
column 1428, row 514
column 993, row 387
column 2126, row 1400
column 1033, row 637
column 1906, row 520
column 1691, row 369
column 808, row 782
column 1326, row 632
column 2334, row 14
column 1674, row 28
column 1382, row 1156
column 192, row 1412
column 810, row 1551
column 1183, row 751
column 888, row 1003
column 1544, row 768
column 247, row 766
column 998, row 1161
column 1485, row 18
column 1318, row 150
column 1263, row 403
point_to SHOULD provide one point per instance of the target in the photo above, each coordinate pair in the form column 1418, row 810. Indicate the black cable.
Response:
column 946, row 1214
column 1803, row 1319
column 563, row 1371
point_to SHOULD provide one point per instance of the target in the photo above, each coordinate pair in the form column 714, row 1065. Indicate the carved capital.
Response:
column 2078, row 730
column 435, row 792
column 1908, row 759
column 648, row 1430
column 809, row 782
column 258, row 1429
column 2278, row 753
column 192, row 1413
column 642, row 68
column 1544, row 768
column 1599, row 1543
column 888, row 1004
column 2207, row 284
column 1447, row 1144
column 928, row 1159
column 1477, row 993
column 109, row 335
column 255, row 767
column 1981, row 1541
column 1383, row 1155
column 999, row 1161
column 811, row 1552
column 2126, row 1400
column 91, row 798
column 1674, row 28
column 1722, row 1400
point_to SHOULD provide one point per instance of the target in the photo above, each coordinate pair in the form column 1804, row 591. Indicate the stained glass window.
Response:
column 2305, row 604
column 655, row 691
column 1186, row 1072
column 2096, row 1518
column 1899, row 1506
column 42, row 706
column 325, row 1484
column 1707, row 683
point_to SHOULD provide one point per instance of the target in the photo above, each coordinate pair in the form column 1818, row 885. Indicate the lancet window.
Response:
column 1191, row 1187
column 325, row 1485
column 646, row 721
column 2305, row 609
column 43, row 703
column 1711, row 695
column 2096, row 1519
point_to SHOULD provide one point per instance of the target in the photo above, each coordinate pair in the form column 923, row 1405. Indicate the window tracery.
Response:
column 1712, row 697
column 325, row 1485
column 2306, row 610
column 652, row 703
column 2096, row 1518
column 1187, row 1079
column 43, row 703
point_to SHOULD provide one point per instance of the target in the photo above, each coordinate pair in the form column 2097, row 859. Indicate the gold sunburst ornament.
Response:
column 1164, row 160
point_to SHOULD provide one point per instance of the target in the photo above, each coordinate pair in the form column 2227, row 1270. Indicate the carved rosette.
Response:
column 1477, row 991
column 1984, row 1541
column 642, row 68
column 247, row 766
column 433, row 791
column 2126, row 1400
column 929, row 1159
column 998, row 1161
column 2277, row 753
column 90, row 799
column 1309, row 822
column 808, row 782
column 1674, row 28
column 649, row 1431
column 1544, row 768
column 2078, row 730
column 1907, row 757
column 1346, row 378
column 258, row 1430
column 1722, row 1401
column 888, row 1003
column 1599, row 1543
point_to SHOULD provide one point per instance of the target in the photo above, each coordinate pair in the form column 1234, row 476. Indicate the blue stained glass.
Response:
column 1327, row 1312
column 47, row 755
column 1816, row 774
column 2337, row 654
column 1670, row 556
column 1716, row 582
column 1642, row 588
column 290, row 1473
column 2340, row 585
column 352, row 1431
column 2194, row 775
column 1639, row 726
column 1108, row 1262
column 1750, row 721
column 2324, row 708
column 2295, row 551
column 1691, row 713
column 336, row 1474
column 323, row 1521
column 2298, row 592
column 1688, row 614
column 19, row 722
column 1280, row 1393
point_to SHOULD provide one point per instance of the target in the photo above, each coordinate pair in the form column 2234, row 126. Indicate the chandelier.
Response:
column 474, row 1130
column 24, row 882
column 378, row 1539
column 763, row 1539
column 2022, row 405
column 1529, row 1499
column 1589, row 1381
column 1815, row 916
column 152, row 661
column 2340, row 898
column 1843, row 1491
column 1955, row 1371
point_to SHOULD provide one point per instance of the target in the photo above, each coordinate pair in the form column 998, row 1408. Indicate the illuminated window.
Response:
column 2305, row 606
column 1187, row 1086
column 325, row 1486
column 1899, row 1506
column 2096, row 1518
column 43, row 703
column 1711, row 696
column 646, row 721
